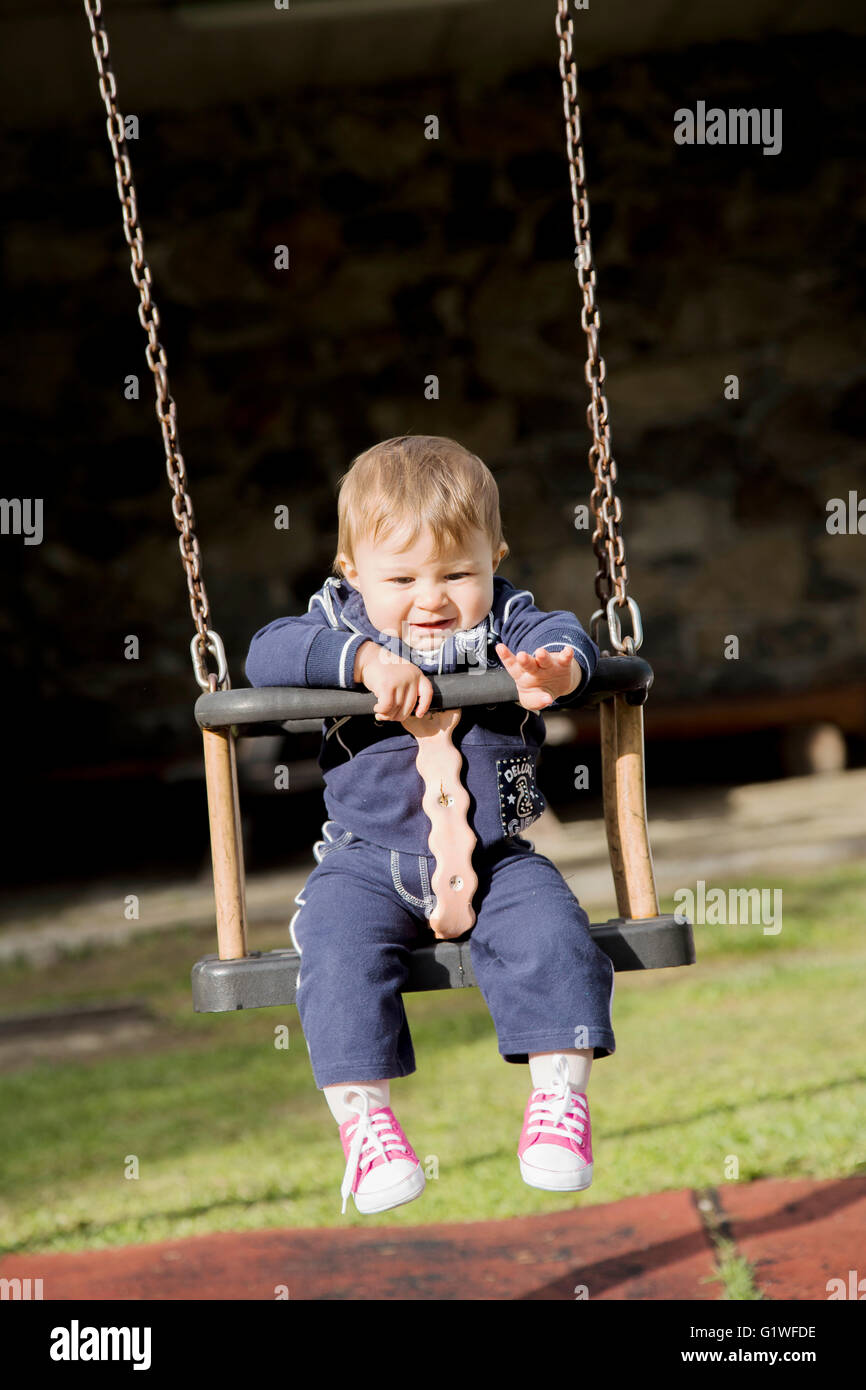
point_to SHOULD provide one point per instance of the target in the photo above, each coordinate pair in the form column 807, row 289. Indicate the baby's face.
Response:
column 421, row 595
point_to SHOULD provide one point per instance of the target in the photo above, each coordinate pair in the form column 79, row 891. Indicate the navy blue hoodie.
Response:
column 372, row 786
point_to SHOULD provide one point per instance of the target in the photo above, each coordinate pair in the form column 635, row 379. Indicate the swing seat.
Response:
column 237, row 979
column 264, row 979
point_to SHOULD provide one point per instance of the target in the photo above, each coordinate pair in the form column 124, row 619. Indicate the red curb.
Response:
column 799, row 1234
column 651, row 1247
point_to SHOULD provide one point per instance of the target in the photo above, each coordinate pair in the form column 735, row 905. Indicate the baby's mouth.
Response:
column 433, row 627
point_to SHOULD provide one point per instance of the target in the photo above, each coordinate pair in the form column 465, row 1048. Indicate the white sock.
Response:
column 579, row 1064
column 378, row 1091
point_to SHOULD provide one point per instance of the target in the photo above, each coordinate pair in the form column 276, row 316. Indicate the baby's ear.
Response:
column 348, row 571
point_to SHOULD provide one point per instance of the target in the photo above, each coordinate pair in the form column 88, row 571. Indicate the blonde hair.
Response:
column 422, row 480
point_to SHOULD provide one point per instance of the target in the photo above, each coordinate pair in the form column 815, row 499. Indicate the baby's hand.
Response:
column 542, row 677
column 399, row 684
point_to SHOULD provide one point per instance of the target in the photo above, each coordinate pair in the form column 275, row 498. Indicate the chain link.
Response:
column 611, row 579
column 205, row 640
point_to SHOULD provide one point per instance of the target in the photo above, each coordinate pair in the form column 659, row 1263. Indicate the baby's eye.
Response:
column 407, row 579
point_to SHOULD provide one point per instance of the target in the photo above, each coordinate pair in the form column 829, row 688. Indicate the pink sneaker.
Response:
column 382, row 1169
column 555, row 1149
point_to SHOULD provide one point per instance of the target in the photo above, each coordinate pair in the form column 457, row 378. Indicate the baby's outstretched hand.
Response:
column 542, row 677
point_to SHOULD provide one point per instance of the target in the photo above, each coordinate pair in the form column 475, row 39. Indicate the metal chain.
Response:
column 611, row 579
column 205, row 639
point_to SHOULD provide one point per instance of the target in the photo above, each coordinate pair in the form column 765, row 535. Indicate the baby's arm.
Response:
column 307, row 650
column 526, row 628
column 312, row 650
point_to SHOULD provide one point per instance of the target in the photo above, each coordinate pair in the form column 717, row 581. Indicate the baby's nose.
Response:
column 432, row 600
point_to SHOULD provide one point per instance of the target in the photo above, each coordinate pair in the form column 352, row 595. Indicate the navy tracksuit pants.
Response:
column 547, row 984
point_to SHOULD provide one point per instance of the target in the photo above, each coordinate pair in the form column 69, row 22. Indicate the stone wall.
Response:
column 453, row 257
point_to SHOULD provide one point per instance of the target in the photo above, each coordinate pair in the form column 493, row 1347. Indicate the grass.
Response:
column 752, row 1062
column 735, row 1275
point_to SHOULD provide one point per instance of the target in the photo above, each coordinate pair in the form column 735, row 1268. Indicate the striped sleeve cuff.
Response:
column 331, row 659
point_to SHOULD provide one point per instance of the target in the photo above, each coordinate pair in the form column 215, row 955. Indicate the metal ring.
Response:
column 215, row 647
column 615, row 630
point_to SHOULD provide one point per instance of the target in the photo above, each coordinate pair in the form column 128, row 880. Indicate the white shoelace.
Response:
column 372, row 1135
column 552, row 1114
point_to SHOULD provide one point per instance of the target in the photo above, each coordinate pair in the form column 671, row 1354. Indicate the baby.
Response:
column 420, row 539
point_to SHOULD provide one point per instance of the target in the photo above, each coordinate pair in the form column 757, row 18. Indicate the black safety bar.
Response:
column 262, row 707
